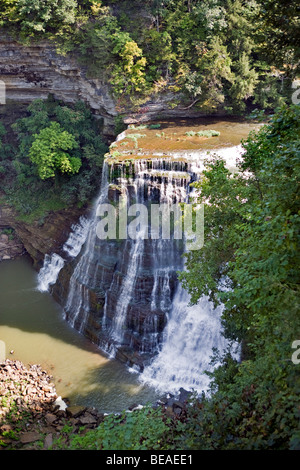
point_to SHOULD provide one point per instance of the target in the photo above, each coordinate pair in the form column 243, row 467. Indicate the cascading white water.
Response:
column 127, row 289
column 191, row 335
column 53, row 264
column 77, row 237
column 189, row 338
column 136, row 249
column 48, row 273
column 192, row 332
column 78, row 297
column 142, row 183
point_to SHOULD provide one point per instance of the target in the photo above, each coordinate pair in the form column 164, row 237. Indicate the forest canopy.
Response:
column 210, row 54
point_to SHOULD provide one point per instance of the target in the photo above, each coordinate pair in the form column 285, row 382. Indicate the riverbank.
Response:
column 34, row 417
column 11, row 246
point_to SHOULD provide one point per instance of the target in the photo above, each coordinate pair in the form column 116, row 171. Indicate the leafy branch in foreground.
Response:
column 145, row 429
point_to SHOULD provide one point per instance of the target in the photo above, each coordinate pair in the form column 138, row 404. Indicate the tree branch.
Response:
column 194, row 102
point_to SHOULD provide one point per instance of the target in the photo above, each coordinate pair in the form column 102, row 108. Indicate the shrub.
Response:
column 144, row 429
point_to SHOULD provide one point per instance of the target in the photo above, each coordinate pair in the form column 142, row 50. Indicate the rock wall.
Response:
column 39, row 239
column 10, row 246
column 118, row 292
column 34, row 71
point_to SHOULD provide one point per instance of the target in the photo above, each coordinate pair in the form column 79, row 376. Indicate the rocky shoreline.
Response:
column 10, row 247
column 33, row 416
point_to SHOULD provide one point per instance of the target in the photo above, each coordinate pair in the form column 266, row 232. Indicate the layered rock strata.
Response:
column 37, row 238
column 34, row 71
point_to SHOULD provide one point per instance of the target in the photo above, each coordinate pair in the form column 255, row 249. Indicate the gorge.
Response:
column 149, row 224
column 124, row 295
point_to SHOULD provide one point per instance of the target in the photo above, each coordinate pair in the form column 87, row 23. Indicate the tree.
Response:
column 128, row 76
column 245, row 81
column 157, row 47
column 36, row 16
column 279, row 21
column 48, row 152
column 250, row 263
column 214, row 67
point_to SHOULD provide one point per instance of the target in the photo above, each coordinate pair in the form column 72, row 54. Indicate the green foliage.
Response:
column 135, row 138
column 208, row 133
column 212, row 54
column 279, row 22
column 159, row 54
column 140, row 430
column 245, row 81
column 2, row 130
column 48, row 152
column 39, row 16
column 57, row 161
column 255, row 408
column 250, row 263
column 128, row 74
column 120, row 126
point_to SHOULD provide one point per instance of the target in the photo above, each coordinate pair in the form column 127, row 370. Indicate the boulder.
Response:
column 75, row 410
column 31, row 436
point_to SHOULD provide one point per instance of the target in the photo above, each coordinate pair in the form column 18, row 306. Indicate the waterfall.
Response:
column 191, row 334
column 77, row 237
column 127, row 290
column 135, row 249
column 48, row 273
column 78, row 296
column 54, row 263
column 124, row 294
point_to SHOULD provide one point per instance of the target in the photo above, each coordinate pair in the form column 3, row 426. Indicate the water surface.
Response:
column 32, row 326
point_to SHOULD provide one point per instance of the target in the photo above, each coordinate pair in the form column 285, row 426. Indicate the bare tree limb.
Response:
column 194, row 102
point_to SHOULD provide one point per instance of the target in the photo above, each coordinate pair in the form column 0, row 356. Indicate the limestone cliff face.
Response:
column 33, row 72
column 40, row 239
column 36, row 70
